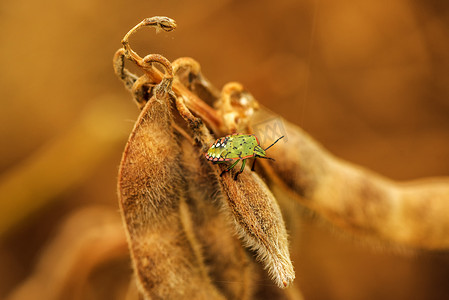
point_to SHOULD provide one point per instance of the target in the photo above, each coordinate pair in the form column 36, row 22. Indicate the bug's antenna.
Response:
column 273, row 143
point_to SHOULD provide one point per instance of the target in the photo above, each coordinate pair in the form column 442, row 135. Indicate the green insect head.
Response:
column 258, row 151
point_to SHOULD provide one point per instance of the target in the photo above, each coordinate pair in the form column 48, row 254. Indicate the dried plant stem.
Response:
column 153, row 75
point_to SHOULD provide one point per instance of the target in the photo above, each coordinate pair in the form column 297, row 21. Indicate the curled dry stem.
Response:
column 152, row 75
column 188, row 74
column 160, row 23
column 236, row 107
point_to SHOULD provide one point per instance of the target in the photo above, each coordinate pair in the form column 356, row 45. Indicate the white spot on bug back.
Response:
column 218, row 145
column 213, row 146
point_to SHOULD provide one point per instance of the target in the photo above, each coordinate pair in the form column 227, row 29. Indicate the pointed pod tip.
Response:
column 287, row 281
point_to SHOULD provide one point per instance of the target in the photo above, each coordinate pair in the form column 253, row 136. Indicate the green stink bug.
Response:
column 238, row 147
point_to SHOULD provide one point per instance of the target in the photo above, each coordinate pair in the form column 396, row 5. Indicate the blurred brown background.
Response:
column 368, row 79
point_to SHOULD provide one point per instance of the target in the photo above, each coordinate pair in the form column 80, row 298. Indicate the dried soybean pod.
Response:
column 253, row 209
column 151, row 193
column 259, row 224
column 413, row 214
column 229, row 266
column 151, row 189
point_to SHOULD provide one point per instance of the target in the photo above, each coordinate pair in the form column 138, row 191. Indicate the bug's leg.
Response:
column 255, row 158
column 254, row 163
column 264, row 157
column 241, row 169
column 229, row 168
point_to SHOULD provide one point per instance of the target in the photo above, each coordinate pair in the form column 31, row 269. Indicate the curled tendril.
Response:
column 160, row 23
